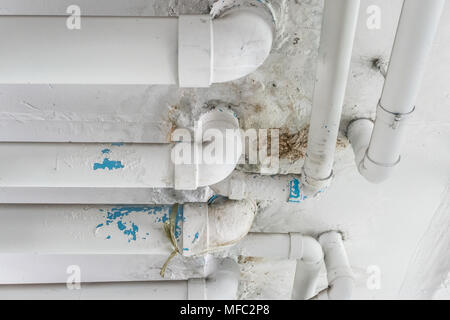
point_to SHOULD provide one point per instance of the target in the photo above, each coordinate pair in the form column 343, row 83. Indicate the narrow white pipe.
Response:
column 339, row 272
column 335, row 52
column 414, row 39
column 240, row 185
column 49, row 165
column 192, row 51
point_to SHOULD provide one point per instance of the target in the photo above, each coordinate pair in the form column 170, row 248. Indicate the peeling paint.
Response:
column 108, row 164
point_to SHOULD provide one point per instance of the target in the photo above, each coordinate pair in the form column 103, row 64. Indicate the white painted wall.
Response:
column 383, row 224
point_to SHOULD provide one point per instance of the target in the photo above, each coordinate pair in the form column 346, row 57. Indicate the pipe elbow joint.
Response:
column 213, row 153
column 242, row 41
column 215, row 227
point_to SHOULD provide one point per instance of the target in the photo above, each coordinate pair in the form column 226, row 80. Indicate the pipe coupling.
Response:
column 393, row 119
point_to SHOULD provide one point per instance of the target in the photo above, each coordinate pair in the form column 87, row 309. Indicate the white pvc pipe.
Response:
column 221, row 285
column 333, row 64
column 339, row 272
column 414, row 39
column 36, row 268
column 240, row 185
column 169, row 290
column 192, row 51
column 49, row 165
column 124, row 229
column 78, row 229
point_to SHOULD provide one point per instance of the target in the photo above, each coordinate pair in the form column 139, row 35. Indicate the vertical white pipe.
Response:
column 416, row 30
column 335, row 52
column 339, row 272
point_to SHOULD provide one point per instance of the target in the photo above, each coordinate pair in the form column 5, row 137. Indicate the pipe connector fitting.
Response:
column 211, row 155
column 376, row 145
column 339, row 273
column 313, row 187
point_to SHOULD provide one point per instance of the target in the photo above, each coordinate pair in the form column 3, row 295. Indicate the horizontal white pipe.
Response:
column 339, row 272
column 168, row 290
column 110, row 195
column 240, row 185
column 221, row 285
column 69, row 165
column 126, row 229
column 333, row 64
column 416, row 30
column 36, row 268
column 77, row 229
column 192, row 51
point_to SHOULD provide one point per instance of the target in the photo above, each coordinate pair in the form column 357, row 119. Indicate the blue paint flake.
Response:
column 105, row 151
column 296, row 195
column 108, row 164
column 117, row 144
column 121, row 225
column 108, row 237
column 195, row 237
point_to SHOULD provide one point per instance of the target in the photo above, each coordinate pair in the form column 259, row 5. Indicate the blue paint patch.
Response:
column 108, row 164
column 117, row 144
column 178, row 221
column 105, row 151
column 295, row 195
column 121, row 225
column 213, row 198
column 195, row 237
column 108, row 237
column 120, row 217
column 99, row 226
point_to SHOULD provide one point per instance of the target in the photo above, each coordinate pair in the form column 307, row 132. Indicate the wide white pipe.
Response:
column 168, row 290
column 414, row 39
column 339, row 272
column 190, row 51
column 36, row 268
column 48, row 165
column 126, row 229
column 222, row 284
column 339, row 24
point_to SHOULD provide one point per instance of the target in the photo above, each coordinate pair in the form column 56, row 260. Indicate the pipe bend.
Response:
column 339, row 272
column 312, row 252
column 215, row 227
column 242, row 41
